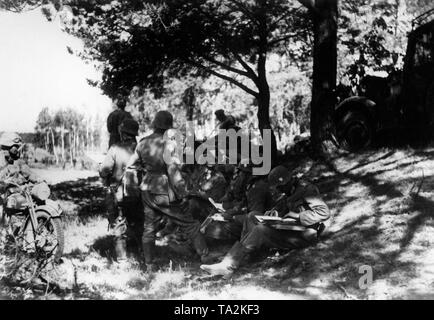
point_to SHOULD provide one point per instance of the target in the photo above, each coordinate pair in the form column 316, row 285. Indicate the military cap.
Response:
column 163, row 120
column 279, row 176
column 220, row 114
column 121, row 101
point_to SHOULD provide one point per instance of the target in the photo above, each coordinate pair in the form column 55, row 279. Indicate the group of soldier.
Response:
column 148, row 197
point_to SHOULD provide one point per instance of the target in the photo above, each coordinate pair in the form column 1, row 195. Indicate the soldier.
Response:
column 225, row 122
column 10, row 167
column 163, row 191
column 115, row 119
column 123, row 208
column 254, row 197
column 302, row 203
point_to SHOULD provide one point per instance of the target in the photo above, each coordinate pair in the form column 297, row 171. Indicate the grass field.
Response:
column 380, row 220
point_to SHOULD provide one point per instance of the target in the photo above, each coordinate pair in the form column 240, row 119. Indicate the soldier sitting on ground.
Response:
column 122, row 199
column 248, row 194
column 303, row 205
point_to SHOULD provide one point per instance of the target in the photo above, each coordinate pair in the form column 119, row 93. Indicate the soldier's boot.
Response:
column 148, row 255
column 121, row 249
column 230, row 262
column 201, row 248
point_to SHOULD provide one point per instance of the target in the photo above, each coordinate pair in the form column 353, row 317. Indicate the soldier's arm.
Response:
column 29, row 175
column 106, row 169
column 316, row 210
column 315, row 214
column 176, row 179
column 135, row 159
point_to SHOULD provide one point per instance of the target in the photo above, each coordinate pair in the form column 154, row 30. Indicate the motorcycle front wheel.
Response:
column 49, row 238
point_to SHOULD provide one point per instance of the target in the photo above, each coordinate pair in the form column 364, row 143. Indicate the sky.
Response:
column 36, row 70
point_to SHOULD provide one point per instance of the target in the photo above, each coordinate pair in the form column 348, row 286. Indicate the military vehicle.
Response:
column 403, row 101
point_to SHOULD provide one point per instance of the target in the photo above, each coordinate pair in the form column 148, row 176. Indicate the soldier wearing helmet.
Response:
column 122, row 192
column 226, row 122
column 115, row 119
column 11, row 168
column 250, row 196
column 163, row 191
column 11, row 146
column 302, row 204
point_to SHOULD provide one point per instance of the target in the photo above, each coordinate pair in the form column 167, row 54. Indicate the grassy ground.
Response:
column 380, row 219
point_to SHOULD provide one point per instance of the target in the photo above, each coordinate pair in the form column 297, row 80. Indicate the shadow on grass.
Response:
column 88, row 194
column 362, row 241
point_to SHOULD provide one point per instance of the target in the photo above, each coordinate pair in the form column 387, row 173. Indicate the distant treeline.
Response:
column 67, row 134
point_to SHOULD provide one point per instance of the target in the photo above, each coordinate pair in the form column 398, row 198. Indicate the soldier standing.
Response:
column 303, row 204
column 123, row 209
column 163, row 191
column 115, row 119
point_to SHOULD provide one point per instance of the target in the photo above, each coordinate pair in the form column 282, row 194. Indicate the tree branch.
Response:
column 246, row 67
column 283, row 38
column 228, row 68
column 310, row 4
column 224, row 77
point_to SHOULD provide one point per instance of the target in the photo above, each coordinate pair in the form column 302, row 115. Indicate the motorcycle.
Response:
column 35, row 225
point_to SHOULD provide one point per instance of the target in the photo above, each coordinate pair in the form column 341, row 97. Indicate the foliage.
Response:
column 160, row 52
column 66, row 133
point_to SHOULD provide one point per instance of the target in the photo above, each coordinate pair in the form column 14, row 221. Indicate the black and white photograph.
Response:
column 215, row 154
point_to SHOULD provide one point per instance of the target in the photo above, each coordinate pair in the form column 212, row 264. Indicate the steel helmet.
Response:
column 220, row 114
column 129, row 126
column 279, row 176
column 163, row 120
column 10, row 139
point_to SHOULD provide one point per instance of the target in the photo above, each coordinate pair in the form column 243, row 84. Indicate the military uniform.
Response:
column 312, row 210
column 11, row 168
column 257, row 199
column 209, row 183
column 124, row 210
column 18, row 172
column 113, row 121
column 162, row 191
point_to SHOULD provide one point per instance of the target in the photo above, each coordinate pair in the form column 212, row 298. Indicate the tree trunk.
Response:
column 324, row 69
column 47, row 140
column 62, row 135
column 264, row 119
column 54, row 146
column 263, row 88
column 189, row 101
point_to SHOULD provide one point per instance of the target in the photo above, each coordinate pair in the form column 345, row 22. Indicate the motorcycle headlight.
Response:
column 11, row 202
column 41, row 191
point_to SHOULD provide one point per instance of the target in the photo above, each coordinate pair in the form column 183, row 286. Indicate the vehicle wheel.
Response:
column 50, row 239
column 354, row 131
